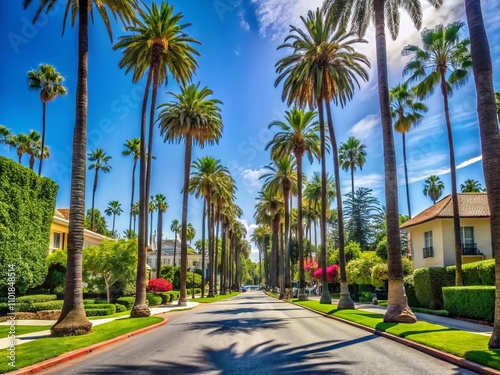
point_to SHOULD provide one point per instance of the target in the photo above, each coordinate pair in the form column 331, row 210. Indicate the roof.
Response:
column 59, row 217
column 64, row 212
column 471, row 205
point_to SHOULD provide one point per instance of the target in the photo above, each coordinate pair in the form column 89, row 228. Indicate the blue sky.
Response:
column 238, row 56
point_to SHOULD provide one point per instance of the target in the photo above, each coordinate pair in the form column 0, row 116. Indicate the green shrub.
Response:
column 4, row 308
column 410, row 292
column 153, row 299
column 27, row 203
column 165, row 297
column 174, row 295
column 128, row 302
column 477, row 302
column 379, row 275
column 477, row 273
column 197, row 290
column 101, row 308
column 120, row 308
column 39, row 306
column 428, row 283
column 487, row 272
column 89, row 302
column 35, row 298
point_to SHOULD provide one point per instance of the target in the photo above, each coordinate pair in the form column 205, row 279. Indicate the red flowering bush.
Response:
column 332, row 273
column 159, row 285
column 310, row 267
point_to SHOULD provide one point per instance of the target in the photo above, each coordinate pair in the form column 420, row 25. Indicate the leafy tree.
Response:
column 132, row 147
column 352, row 251
column 50, row 84
column 99, row 162
column 114, row 208
column 433, row 188
column 56, row 275
column 359, row 271
column 100, row 224
column 113, row 261
column 471, row 186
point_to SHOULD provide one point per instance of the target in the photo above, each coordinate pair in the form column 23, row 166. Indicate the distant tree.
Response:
column 497, row 100
column 114, row 208
column 352, row 154
column 176, row 228
column 113, row 261
column 471, row 186
column 98, row 161
column 161, row 205
column 191, row 232
column 99, row 222
column 5, row 134
column 433, row 188
column 132, row 147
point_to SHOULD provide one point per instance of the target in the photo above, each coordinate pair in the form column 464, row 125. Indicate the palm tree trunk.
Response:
column 454, row 192
column 132, row 198
column 44, row 108
column 158, row 243
column 72, row 320
column 345, row 301
column 274, row 253
column 397, row 305
column 203, row 223
column 300, row 231
column 216, row 251
column 32, row 160
column 223, row 261
column 211, row 293
column 281, row 263
column 140, row 308
column 267, row 274
column 175, row 246
column 114, row 217
column 260, row 265
column 406, row 175
column 325, row 296
column 185, row 196
column 287, row 280
column 96, row 177
column 150, row 242
column 490, row 138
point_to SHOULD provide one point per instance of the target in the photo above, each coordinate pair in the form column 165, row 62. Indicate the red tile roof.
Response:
column 469, row 205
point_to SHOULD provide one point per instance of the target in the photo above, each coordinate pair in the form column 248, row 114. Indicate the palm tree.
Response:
column 297, row 136
column 352, row 154
column 194, row 118
column 324, row 67
column 132, row 147
column 158, row 44
column 72, row 320
column 33, row 147
column 49, row 82
column 21, row 143
column 260, row 237
column 191, row 232
column 444, row 61
column 176, row 228
column 114, row 208
column 5, row 135
column 99, row 161
column 433, row 188
column 405, row 109
column 135, row 213
column 490, row 139
column 161, row 205
column 471, row 186
column 151, row 209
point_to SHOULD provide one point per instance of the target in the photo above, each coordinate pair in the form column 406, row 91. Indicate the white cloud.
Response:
column 365, row 128
column 469, row 162
column 243, row 22
column 443, row 170
column 251, row 177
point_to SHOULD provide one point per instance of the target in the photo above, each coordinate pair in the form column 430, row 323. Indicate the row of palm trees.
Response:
column 433, row 187
column 25, row 144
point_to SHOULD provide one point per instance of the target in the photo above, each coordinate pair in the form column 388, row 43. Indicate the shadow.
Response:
column 235, row 325
column 246, row 310
column 385, row 326
column 489, row 357
column 264, row 358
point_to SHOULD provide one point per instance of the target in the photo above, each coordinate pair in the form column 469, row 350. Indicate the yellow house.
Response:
column 431, row 240
column 59, row 232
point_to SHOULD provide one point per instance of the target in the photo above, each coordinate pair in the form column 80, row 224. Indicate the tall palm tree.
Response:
column 34, row 147
column 5, row 134
column 298, row 135
column 151, row 209
column 132, row 147
column 21, row 143
column 161, row 205
column 324, row 67
column 176, row 228
column 406, row 111
column 443, row 61
column 158, row 44
column 114, row 208
column 281, row 179
column 49, row 82
column 72, row 320
column 135, row 213
column 471, row 186
column 433, row 188
column 490, row 138
column 384, row 13
column 194, row 118
column 260, row 237
column 352, row 154
column 99, row 161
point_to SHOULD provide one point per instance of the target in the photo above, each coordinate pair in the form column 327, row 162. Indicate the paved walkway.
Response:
column 22, row 339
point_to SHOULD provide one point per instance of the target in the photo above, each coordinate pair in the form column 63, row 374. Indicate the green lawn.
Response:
column 116, row 315
column 42, row 349
column 21, row 330
column 463, row 344
column 218, row 297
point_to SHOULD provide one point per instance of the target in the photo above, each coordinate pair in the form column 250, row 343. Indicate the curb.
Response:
column 44, row 365
column 451, row 358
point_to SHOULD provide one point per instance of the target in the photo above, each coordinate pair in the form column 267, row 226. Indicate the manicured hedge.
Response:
column 39, row 306
column 153, row 299
column 477, row 273
column 428, row 283
column 410, row 292
column 128, row 302
column 35, row 298
column 120, row 308
column 27, row 204
column 102, row 310
column 477, row 302
column 165, row 297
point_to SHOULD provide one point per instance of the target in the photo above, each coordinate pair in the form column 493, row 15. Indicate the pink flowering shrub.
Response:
column 310, row 267
column 332, row 273
column 159, row 285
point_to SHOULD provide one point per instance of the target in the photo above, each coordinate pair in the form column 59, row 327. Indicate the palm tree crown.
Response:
column 352, row 154
column 433, row 188
column 471, row 186
column 48, row 81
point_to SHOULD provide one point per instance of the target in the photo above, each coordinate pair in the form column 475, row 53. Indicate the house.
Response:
column 431, row 240
column 59, row 232
column 167, row 256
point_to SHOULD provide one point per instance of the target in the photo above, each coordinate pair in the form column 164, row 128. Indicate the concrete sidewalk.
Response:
column 22, row 339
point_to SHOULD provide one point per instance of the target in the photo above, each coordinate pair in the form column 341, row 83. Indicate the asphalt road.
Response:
column 256, row 334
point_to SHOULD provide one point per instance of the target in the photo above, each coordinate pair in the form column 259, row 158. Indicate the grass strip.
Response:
column 471, row 346
column 50, row 347
column 218, row 297
column 22, row 330
column 116, row 315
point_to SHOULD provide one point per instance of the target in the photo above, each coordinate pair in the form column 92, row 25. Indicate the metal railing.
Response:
column 470, row 249
column 428, row 252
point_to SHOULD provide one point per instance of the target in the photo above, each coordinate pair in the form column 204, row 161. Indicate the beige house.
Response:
column 59, row 232
column 167, row 256
column 431, row 240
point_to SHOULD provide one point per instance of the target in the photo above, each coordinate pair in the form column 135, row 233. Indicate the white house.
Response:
column 167, row 256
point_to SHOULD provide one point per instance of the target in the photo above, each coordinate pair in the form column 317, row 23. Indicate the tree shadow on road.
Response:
column 244, row 310
column 232, row 326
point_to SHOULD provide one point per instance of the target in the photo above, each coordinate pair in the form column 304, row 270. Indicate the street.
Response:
column 256, row 334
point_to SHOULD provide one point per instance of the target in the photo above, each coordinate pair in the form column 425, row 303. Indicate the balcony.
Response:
column 470, row 249
column 428, row 252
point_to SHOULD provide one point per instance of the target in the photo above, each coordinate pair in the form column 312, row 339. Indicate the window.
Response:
column 428, row 239
column 57, row 240
column 428, row 250
column 467, row 235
